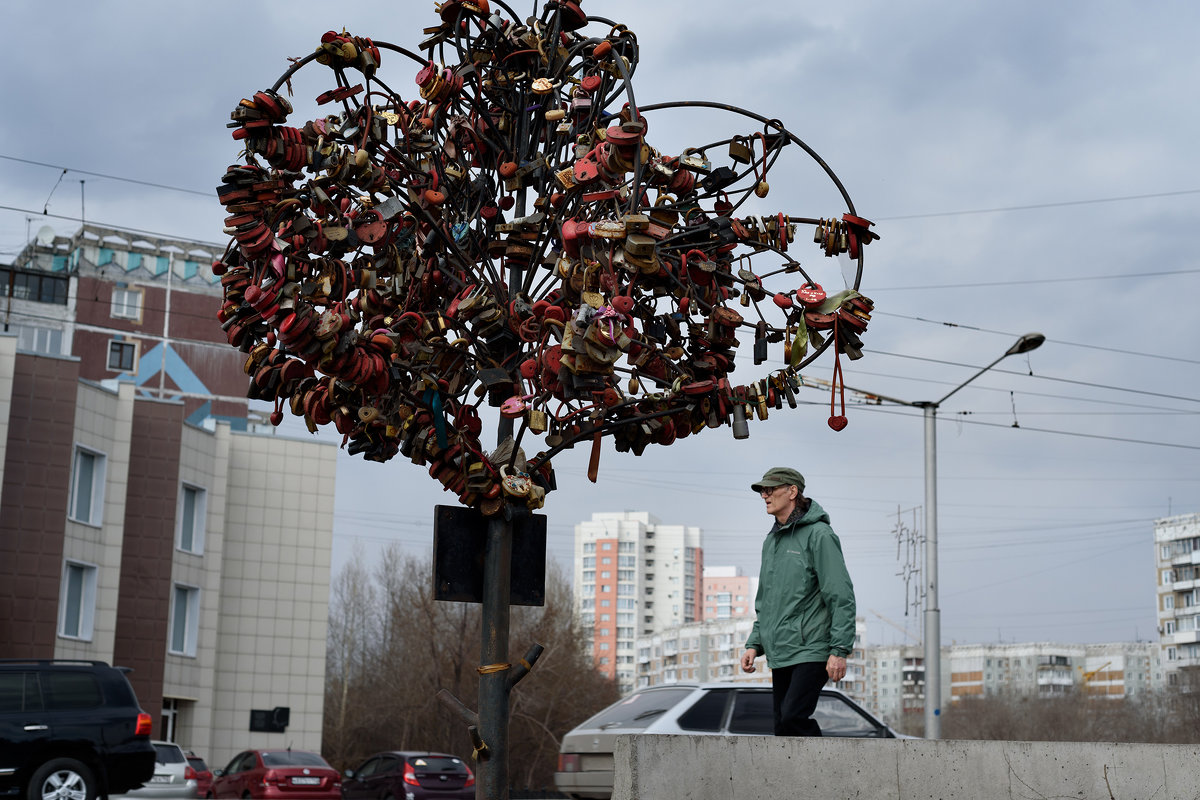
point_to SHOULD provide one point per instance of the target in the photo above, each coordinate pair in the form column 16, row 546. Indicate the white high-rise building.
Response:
column 634, row 575
column 1177, row 541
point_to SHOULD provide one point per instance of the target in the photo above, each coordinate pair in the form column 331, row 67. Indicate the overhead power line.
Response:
column 1046, row 377
column 159, row 234
column 1139, row 353
column 109, row 177
column 1035, row 206
column 1028, row 281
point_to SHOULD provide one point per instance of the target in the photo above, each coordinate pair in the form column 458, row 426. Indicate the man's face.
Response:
column 778, row 498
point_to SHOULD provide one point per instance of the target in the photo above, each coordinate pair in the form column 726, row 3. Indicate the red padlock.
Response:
column 810, row 294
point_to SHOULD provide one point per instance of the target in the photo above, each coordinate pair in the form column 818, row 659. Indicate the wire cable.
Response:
column 65, row 170
column 1036, row 206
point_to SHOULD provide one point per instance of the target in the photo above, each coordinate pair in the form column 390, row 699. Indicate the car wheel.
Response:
column 62, row 779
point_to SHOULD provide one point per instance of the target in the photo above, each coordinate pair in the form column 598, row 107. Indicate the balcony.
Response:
column 1181, row 637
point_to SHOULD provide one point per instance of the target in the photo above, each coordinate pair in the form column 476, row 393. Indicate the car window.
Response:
column 292, row 758
column 368, row 768
column 838, row 718
column 639, row 709
column 387, row 764
column 437, row 764
column 239, row 763
column 71, row 690
column 18, row 692
column 169, row 754
column 707, row 713
column 753, row 713
column 198, row 764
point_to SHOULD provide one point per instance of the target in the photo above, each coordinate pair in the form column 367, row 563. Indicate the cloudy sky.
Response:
column 1029, row 166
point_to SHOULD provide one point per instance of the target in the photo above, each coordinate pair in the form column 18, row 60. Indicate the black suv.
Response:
column 70, row 730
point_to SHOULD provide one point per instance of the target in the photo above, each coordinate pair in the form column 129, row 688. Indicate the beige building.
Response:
column 633, row 575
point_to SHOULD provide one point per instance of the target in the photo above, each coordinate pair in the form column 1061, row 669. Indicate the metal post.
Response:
column 933, row 614
column 492, row 767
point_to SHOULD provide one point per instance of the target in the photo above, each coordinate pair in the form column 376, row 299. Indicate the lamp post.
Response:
column 933, row 614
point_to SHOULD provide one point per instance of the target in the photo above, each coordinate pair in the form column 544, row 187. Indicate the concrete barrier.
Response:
column 662, row 767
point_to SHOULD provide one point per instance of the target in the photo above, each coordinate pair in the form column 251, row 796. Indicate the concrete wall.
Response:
column 649, row 767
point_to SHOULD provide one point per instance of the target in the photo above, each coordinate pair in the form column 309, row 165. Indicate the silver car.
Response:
column 585, row 760
column 173, row 778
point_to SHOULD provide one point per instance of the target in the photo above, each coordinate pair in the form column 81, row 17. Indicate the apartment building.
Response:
column 1177, row 559
column 145, row 520
column 633, row 575
column 728, row 594
column 130, row 307
column 1045, row 669
column 711, row 650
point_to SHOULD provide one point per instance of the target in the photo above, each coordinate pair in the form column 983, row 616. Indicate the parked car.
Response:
column 397, row 775
column 204, row 775
column 70, row 729
column 277, row 775
column 585, row 761
column 173, row 778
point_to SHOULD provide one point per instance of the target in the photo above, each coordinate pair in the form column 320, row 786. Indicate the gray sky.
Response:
column 1030, row 167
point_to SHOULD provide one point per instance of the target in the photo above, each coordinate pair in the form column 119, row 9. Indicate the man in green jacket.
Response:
column 805, row 603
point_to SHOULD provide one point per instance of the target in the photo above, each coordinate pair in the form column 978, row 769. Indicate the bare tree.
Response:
column 1163, row 717
column 393, row 647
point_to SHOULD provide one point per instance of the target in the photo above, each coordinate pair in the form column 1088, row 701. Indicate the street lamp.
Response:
column 933, row 614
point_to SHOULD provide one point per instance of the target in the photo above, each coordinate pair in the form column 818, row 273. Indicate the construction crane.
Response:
column 897, row 626
column 1087, row 676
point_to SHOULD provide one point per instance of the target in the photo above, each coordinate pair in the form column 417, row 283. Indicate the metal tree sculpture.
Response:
column 505, row 232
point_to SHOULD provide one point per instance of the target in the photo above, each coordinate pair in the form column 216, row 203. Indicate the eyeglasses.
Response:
column 772, row 490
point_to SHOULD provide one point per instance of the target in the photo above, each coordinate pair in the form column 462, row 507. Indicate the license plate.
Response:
column 160, row 779
column 306, row 781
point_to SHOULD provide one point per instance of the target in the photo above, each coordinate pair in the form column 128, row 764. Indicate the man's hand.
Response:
column 835, row 666
column 751, row 654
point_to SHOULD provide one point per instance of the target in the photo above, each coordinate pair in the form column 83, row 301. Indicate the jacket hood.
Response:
column 814, row 514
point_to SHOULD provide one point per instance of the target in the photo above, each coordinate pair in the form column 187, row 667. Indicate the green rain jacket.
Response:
column 805, row 600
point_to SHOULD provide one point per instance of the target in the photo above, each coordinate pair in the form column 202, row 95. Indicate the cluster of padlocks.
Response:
column 503, row 232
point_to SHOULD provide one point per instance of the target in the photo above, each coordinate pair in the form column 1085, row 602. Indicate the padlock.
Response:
column 760, row 342
column 537, row 420
column 740, row 150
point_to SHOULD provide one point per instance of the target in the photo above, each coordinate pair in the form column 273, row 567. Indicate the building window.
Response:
column 606, row 546
column 87, row 487
column 191, row 516
column 127, row 304
column 35, row 286
column 589, row 547
column 77, row 601
column 1168, row 601
column 185, row 615
column 121, row 355
column 39, row 340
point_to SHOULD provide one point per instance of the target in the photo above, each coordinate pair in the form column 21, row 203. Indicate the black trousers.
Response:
column 796, row 690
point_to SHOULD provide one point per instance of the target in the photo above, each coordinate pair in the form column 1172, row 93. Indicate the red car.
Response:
column 203, row 774
column 277, row 775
